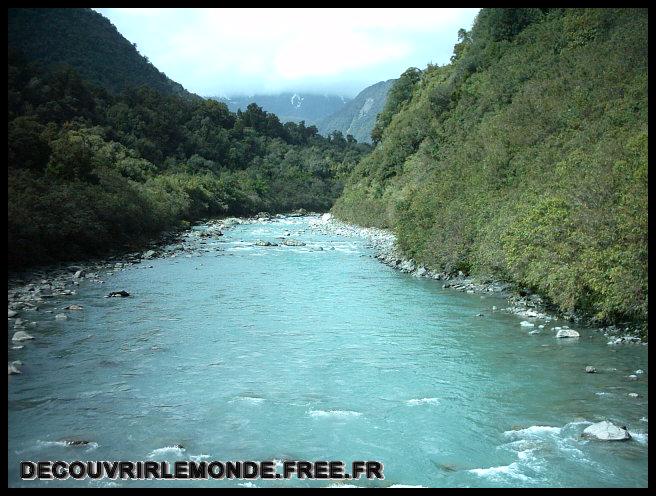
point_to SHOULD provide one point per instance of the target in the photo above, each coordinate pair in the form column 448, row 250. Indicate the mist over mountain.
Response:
column 290, row 107
column 89, row 43
column 354, row 116
column 358, row 116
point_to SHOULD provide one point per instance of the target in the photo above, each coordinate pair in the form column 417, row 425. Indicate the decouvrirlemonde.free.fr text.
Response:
column 149, row 469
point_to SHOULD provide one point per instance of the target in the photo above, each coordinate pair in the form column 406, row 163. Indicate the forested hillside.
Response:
column 525, row 159
column 88, row 42
column 358, row 116
column 89, row 171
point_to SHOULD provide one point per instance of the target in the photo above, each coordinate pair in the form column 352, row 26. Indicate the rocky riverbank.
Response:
column 521, row 301
column 33, row 290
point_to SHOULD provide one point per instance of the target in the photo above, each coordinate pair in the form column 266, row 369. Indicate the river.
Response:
column 243, row 352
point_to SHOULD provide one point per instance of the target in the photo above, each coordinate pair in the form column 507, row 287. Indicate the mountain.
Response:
column 525, row 159
column 105, row 152
column 290, row 107
column 88, row 42
column 358, row 116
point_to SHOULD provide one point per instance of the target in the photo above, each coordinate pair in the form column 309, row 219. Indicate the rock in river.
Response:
column 293, row 242
column 61, row 316
column 590, row 369
column 231, row 221
column 73, row 307
column 13, row 367
column 11, row 313
column 567, row 333
column 21, row 336
column 606, row 431
column 121, row 294
column 260, row 242
column 76, row 442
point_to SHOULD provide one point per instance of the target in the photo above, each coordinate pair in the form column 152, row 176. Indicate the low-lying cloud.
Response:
column 246, row 51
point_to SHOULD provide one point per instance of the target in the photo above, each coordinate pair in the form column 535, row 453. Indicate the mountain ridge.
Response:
column 358, row 116
column 289, row 106
column 88, row 42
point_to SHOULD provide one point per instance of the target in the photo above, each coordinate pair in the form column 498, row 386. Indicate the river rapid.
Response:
column 226, row 350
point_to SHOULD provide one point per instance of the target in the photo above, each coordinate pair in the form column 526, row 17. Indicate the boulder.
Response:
column 590, row 369
column 11, row 313
column 293, row 242
column 79, row 274
column 407, row 266
column 260, row 242
column 567, row 333
column 76, row 442
column 13, row 367
column 73, row 307
column 61, row 316
column 21, row 336
column 231, row 221
column 606, row 431
column 118, row 294
column 326, row 217
column 148, row 254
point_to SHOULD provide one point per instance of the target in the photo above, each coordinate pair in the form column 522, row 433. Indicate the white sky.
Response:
column 215, row 52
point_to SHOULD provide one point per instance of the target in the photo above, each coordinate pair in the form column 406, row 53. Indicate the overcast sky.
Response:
column 221, row 52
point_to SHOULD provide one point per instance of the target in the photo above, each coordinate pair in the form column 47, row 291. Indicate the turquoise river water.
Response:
column 242, row 352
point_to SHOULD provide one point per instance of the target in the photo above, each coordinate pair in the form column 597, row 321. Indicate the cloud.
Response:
column 228, row 51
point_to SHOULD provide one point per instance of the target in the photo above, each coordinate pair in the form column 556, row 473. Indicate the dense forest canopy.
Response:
column 523, row 159
column 89, row 170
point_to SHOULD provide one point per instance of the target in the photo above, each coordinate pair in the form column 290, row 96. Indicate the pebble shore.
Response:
column 521, row 301
column 31, row 291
